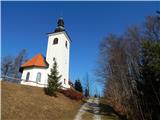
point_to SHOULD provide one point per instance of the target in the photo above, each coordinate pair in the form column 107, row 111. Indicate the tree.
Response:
column 152, row 28
column 11, row 65
column 149, row 84
column 78, row 86
column 7, row 63
column 87, row 85
column 128, row 67
column 53, row 81
column 149, row 69
column 20, row 58
column 118, row 61
column 86, row 93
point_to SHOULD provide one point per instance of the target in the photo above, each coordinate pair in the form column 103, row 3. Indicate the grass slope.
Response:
column 19, row 102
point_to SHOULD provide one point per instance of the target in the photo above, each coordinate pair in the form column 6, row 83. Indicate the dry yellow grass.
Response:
column 21, row 102
column 87, row 116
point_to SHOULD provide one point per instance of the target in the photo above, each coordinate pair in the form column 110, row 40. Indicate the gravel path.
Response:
column 92, row 105
column 96, row 109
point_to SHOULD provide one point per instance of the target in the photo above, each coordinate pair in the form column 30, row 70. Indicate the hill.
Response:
column 20, row 102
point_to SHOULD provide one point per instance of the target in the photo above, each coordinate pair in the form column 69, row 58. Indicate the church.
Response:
column 35, row 71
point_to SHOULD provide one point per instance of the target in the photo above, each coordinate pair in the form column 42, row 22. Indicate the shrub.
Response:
column 72, row 94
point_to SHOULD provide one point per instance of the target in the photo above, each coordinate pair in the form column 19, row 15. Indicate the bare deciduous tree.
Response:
column 119, row 69
column 10, row 66
column 20, row 58
column 6, row 65
column 152, row 28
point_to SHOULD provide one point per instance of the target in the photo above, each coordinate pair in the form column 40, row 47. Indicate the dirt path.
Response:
column 96, row 109
column 89, row 110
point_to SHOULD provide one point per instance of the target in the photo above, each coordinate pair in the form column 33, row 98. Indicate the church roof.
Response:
column 36, row 61
column 60, row 25
column 60, row 28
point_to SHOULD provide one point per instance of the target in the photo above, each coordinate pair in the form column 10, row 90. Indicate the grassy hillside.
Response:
column 21, row 102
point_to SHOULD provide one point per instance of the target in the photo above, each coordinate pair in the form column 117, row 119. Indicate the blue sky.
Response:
column 25, row 24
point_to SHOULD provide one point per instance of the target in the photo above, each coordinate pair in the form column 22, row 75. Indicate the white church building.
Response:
column 35, row 71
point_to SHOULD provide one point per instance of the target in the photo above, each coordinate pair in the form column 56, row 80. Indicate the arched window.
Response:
column 38, row 78
column 27, row 77
column 55, row 41
column 66, row 44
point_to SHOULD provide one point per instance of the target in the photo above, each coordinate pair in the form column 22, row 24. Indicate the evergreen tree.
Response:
column 87, row 85
column 78, row 86
column 53, row 81
column 86, row 93
column 150, row 77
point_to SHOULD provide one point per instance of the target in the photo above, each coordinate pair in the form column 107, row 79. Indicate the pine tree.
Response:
column 86, row 93
column 53, row 81
column 78, row 86
column 150, row 77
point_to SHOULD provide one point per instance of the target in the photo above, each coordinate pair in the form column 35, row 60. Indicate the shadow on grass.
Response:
column 107, row 110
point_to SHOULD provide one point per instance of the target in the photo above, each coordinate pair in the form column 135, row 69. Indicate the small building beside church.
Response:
column 35, row 71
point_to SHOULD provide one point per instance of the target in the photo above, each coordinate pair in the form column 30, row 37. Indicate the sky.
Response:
column 26, row 24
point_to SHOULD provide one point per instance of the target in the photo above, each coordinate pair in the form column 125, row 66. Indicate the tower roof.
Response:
column 60, row 28
column 36, row 61
column 60, row 25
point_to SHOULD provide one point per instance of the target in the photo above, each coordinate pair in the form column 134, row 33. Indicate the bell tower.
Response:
column 59, row 49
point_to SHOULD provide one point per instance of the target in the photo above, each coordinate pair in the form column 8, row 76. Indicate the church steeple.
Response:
column 60, row 25
column 59, row 49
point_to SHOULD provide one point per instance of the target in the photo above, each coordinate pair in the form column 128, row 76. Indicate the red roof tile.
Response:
column 37, row 61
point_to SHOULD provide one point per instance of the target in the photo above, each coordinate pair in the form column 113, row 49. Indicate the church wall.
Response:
column 33, row 76
column 24, row 75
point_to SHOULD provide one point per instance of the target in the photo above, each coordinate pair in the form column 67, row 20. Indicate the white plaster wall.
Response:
column 33, row 75
column 24, row 74
column 61, row 54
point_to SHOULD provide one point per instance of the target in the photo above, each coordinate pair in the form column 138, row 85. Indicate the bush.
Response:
column 72, row 94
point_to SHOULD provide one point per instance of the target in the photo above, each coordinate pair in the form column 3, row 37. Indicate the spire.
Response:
column 60, row 22
column 60, row 25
